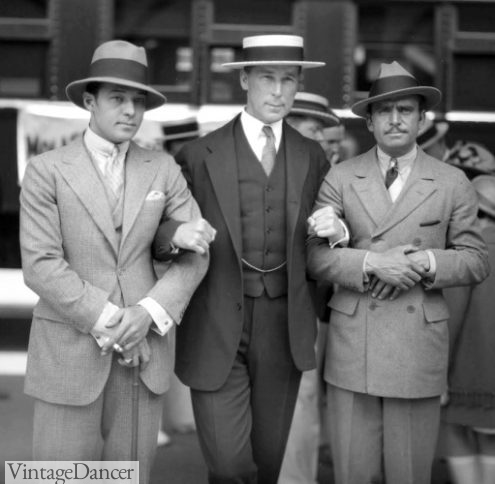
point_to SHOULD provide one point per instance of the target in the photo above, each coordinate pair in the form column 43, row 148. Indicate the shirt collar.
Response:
column 403, row 161
column 96, row 143
column 252, row 128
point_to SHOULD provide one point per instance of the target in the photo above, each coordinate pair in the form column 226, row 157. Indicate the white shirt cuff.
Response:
column 433, row 264
column 344, row 241
column 163, row 321
column 366, row 277
column 99, row 332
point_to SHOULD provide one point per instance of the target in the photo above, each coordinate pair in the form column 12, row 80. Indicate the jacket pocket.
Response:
column 436, row 311
column 345, row 302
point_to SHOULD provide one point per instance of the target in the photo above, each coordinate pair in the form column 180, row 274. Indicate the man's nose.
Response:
column 129, row 107
column 277, row 88
column 395, row 116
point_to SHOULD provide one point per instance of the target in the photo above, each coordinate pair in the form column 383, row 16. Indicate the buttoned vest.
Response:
column 263, row 220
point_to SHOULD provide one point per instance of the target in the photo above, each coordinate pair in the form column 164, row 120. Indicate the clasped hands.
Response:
column 127, row 330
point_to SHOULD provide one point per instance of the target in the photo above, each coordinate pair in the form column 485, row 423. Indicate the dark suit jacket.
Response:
column 209, row 335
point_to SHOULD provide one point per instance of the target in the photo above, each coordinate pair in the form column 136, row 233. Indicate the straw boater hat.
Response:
column 117, row 62
column 181, row 129
column 432, row 132
column 308, row 104
column 273, row 50
column 394, row 81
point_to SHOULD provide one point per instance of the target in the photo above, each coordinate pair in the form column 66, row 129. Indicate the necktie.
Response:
column 392, row 172
column 114, row 172
column 269, row 151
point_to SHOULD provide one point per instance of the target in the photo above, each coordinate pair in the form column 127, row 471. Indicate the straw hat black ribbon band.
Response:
column 273, row 53
column 309, row 105
column 122, row 68
column 392, row 83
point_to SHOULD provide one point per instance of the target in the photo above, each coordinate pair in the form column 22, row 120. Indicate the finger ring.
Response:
column 128, row 361
column 118, row 348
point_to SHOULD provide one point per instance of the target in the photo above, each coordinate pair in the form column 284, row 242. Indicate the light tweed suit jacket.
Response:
column 71, row 258
column 395, row 348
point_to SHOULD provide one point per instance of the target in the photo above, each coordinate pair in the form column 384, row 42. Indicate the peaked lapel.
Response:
column 222, row 167
column 80, row 173
column 297, row 163
column 140, row 171
column 419, row 186
column 369, row 187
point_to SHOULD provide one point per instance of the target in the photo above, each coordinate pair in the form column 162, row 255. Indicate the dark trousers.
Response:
column 243, row 426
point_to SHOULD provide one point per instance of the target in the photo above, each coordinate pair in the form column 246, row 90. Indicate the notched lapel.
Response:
column 140, row 171
column 80, row 174
column 221, row 164
column 419, row 187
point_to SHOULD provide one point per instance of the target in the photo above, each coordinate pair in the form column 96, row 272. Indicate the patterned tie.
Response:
column 114, row 172
column 392, row 172
column 269, row 151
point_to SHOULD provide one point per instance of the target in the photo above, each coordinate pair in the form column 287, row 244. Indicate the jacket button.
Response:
column 239, row 306
column 373, row 306
column 410, row 309
column 417, row 242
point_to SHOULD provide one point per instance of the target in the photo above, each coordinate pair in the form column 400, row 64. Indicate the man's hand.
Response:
column 139, row 355
column 394, row 267
column 325, row 223
column 196, row 235
column 130, row 326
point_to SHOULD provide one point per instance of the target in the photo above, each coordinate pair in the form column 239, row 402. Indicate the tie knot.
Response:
column 393, row 163
column 268, row 132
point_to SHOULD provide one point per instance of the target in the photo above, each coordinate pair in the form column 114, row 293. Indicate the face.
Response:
column 332, row 139
column 395, row 124
column 310, row 127
column 116, row 111
column 270, row 91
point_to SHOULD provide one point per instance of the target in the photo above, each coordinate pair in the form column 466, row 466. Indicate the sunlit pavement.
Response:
column 178, row 463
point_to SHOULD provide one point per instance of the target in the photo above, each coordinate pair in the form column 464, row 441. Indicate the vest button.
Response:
column 268, row 209
column 410, row 309
column 239, row 306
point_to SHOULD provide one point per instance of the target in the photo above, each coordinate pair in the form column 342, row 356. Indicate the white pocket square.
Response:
column 155, row 195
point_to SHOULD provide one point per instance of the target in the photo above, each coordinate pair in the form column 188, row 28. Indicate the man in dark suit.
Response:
column 413, row 231
column 89, row 212
column 250, row 329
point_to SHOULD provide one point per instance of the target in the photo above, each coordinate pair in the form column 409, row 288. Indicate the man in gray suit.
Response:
column 89, row 212
column 413, row 231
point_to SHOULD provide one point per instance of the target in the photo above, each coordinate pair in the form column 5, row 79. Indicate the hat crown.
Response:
column 272, row 40
column 392, row 70
column 120, row 49
column 308, row 97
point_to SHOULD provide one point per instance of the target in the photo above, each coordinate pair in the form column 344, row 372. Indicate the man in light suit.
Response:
column 250, row 328
column 89, row 212
column 387, row 346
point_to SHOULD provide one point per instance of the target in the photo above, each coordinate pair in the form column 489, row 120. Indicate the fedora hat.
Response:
column 394, row 81
column 117, row 62
column 432, row 132
column 316, row 106
column 261, row 50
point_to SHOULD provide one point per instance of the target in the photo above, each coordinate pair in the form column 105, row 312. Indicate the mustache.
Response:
column 395, row 130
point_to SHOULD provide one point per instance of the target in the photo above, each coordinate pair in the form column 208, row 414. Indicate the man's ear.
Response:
column 88, row 100
column 369, row 123
column 243, row 76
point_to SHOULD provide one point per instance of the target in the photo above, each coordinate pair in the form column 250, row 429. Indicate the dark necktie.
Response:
column 392, row 172
column 269, row 151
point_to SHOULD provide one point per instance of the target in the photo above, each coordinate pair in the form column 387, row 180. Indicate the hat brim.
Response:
column 75, row 90
column 303, row 64
column 328, row 119
column 431, row 94
column 441, row 131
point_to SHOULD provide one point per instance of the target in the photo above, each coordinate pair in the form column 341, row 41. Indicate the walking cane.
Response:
column 134, row 412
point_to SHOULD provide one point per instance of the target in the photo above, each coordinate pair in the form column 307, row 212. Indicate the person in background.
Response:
column 177, row 133
column 333, row 137
column 309, row 115
column 432, row 139
column 413, row 231
column 89, row 213
column 250, row 329
column 469, row 417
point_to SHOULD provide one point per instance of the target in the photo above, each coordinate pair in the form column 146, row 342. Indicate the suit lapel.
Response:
column 222, row 168
column 140, row 171
column 80, row 173
column 419, row 186
column 370, row 188
column 297, row 162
